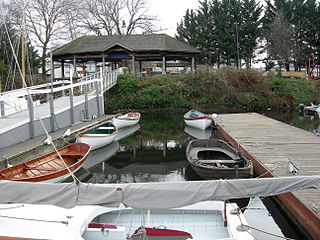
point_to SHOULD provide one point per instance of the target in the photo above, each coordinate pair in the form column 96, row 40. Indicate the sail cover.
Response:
column 160, row 195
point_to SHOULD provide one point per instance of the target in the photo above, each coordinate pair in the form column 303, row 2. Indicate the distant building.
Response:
column 90, row 53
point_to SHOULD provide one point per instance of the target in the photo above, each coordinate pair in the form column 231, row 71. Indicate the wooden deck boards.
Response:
column 274, row 144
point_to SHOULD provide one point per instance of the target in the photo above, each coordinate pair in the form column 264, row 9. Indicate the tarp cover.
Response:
column 158, row 195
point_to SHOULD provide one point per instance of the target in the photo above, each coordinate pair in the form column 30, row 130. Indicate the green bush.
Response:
column 224, row 89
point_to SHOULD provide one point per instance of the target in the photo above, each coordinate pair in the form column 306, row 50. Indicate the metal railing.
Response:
column 14, row 101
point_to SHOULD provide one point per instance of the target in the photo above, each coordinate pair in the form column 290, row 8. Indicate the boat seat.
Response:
column 219, row 161
column 106, row 128
column 40, row 168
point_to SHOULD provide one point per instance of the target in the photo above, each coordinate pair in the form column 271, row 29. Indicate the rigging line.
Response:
column 271, row 234
column 75, row 179
column 248, row 226
column 38, row 220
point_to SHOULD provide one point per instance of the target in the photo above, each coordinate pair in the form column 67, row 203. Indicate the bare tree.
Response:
column 121, row 17
column 280, row 41
column 46, row 22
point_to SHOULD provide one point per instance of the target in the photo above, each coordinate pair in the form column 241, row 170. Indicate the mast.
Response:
column 23, row 65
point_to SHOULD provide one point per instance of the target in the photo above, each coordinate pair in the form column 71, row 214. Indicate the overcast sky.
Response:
column 170, row 12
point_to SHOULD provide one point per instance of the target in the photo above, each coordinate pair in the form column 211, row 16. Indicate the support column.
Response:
column 98, row 97
column 133, row 66
column 140, row 67
column 192, row 65
column 52, row 113
column 103, row 63
column 2, row 110
column 71, row 105
column 62, row 70
column 31, row 117
column 75, row 68
column 164, row 67
column 86, row 103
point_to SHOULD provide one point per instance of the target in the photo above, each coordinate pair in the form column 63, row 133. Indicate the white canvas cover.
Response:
column 150, row 195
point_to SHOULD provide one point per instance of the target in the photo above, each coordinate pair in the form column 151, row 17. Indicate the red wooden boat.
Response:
column 49, row 167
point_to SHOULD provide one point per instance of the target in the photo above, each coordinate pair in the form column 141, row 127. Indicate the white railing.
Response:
column 8, row 100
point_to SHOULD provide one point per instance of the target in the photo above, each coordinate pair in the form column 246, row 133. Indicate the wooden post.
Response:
column 62, row 70
column 164, row 67
column 140, row 67
column 133, row 66
column 192, row 65
column 74, row 68
column 103, row 63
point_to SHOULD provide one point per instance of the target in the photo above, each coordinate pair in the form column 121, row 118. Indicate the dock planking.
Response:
column 272, row 145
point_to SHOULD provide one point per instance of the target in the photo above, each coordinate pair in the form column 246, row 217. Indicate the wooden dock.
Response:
column 278, row 150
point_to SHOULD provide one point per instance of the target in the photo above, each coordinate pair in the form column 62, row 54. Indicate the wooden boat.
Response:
column 98, row 136
column 198, row 119
column 49, row 167
column 215, row 159
column 126, row 120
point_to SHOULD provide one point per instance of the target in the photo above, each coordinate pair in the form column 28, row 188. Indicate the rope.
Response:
column 259, row 230
column 75, row 179
column 271, row 234
column 38, row 220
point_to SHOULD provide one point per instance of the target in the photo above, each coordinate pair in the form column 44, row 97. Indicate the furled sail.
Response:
column 158, row 195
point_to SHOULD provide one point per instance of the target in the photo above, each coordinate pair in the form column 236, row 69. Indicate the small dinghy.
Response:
column 49, row 167
column 198, row 119
column 215, row 159
column 126, row 120
column 98, row 136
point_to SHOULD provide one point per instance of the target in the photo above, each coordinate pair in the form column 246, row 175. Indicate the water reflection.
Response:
column 155, row 152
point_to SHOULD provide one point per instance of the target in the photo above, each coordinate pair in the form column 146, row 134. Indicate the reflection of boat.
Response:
column 198, row 133
column 214, row 158
column 49, row 167
column 126, row 120
column 318, row 111
column 310, row 109
column 179, row 198
column 98, row 136
column 197, row 119
column 125, row 132
column 102, row 154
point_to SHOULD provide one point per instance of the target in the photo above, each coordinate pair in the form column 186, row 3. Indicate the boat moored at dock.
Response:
column 98, row 136
column 126, row 120
column 198, row 119
column 215, row 159
column 51, row 167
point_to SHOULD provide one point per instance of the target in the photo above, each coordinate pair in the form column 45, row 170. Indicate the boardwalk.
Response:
column 273, row 145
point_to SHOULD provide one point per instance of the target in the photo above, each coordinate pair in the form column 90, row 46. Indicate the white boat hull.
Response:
column 126, row 120
column 96, row 141
column 201, row 123
column 122, row 123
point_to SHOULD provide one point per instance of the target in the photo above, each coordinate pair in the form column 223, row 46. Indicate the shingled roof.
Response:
column 134, row 43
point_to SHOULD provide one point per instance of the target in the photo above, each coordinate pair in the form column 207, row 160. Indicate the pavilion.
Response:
column 132, row 49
